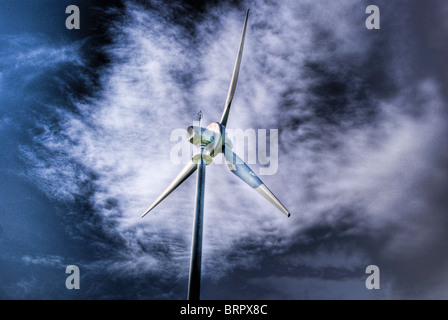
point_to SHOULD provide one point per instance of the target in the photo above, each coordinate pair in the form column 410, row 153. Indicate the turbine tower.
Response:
column 211, row 141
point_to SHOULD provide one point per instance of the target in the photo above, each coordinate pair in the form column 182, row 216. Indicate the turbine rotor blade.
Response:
column 236, row 70
column 239, row 168
column 183, row 175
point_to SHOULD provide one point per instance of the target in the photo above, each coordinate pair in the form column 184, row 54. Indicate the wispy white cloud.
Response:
column 291, row 288
column 28, row 56
column 335, row 156
column 47, row 261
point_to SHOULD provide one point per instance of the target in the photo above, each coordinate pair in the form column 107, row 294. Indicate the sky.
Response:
column 86, row 122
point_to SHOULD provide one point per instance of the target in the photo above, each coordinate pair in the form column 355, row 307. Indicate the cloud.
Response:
column 26, row 287
column 26, row 57
column 291, row 288
column 47, row 261
column 362, row 166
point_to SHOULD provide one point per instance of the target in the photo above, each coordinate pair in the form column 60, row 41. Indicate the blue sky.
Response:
column 85, row 124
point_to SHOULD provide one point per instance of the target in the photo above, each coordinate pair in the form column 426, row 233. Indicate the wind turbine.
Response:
column 211, row 141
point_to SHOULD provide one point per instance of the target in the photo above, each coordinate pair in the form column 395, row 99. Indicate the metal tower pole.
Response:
column 194, row 281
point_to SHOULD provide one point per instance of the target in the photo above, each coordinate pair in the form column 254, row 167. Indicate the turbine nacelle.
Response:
column 211, row 138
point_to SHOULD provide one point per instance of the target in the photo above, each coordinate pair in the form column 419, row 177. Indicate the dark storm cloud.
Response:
column 363, row 168
column 394, row 128
column 372, row 127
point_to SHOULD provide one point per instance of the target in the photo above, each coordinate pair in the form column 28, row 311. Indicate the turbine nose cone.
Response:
column 190, row 133
column 200, row 136
column 194, row 134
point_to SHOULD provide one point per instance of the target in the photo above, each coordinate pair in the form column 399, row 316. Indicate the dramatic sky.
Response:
column 85, row 123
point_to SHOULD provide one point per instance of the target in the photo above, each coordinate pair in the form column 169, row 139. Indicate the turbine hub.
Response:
column 200, row 137
column 212, row 138
column 205, row 157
